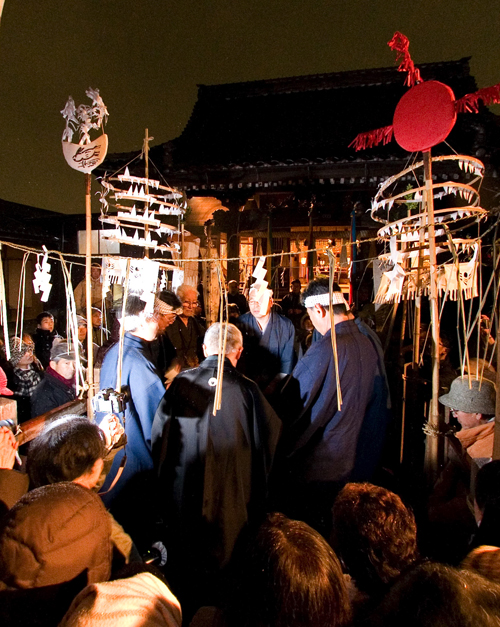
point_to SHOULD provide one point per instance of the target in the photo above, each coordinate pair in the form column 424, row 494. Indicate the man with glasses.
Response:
column 186, row 332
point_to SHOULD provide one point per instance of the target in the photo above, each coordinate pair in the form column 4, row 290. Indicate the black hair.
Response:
column 170, row 298
column 67, row 449
column 41, row 316
column 434, row 595
column 322, row 286
column 289, row 576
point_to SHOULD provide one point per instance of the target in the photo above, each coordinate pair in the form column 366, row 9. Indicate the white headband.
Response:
column 324, row 300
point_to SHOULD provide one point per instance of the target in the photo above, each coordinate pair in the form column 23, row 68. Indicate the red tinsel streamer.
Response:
column 400, row 43
column 470, row 102
column 373, row 138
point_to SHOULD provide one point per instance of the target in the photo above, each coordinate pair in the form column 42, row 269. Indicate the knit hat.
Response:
column 478, row 398
column 18, row 349
column 140, row 600
column 61, row 350
column 4, row 390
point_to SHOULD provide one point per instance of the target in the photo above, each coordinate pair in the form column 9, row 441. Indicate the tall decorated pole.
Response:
column 84, row 157
column 423, row 118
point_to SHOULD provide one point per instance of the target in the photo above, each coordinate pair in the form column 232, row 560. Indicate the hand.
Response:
column 112, row 429
column 8, row 448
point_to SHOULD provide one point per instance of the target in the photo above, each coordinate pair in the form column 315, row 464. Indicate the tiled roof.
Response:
column 279, row 132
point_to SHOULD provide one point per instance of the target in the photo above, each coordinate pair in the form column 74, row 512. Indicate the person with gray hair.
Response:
column 213, row 469
column 186, row 332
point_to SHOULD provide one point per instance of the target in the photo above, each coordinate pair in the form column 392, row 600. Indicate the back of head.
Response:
column 318, row 291
column 52, row 535
column 67, row 449
column 434, row 595
column 290, row 577
column 212, row 337
column 374, row 535
column 484, row 560
column 169, row 298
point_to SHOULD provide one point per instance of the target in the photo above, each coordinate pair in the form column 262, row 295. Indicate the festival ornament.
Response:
column 426, row 114
column 41, row 282
column 86, row 155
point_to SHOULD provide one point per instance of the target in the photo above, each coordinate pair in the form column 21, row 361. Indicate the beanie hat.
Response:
column 140, row 600
column 478, row 398
column 18, row 349
column 4, row 390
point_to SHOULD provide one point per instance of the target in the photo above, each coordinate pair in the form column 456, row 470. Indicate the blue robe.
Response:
column 372, row 436
column 131, row 495
column 266, row 354
column 319, row 442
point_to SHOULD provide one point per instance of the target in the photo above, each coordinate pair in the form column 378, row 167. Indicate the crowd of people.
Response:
column 228, row 476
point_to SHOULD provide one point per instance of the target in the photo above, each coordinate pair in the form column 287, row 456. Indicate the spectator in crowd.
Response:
column 375, row 537
column 434, row 595
column 288, row 576
column 44, row 337
column 292, row 306
column 4, row 389
column 25, row 377
column 235, row 297
column 56, row 538
column 452, row 523
column 96, row 295
column 58, row 385
column 186, row 332
column 99, row 332
column 487, row 505
column 141, row 599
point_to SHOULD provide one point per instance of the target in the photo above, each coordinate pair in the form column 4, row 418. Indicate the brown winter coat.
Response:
column 52, row 535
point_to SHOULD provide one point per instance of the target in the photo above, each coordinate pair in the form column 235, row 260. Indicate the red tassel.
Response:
column 373, row 138
column 400, row 43
column 470, row 102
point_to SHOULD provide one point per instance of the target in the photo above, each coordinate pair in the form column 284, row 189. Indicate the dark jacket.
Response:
column 49, row 394
column 213, row 470
column 43, row 343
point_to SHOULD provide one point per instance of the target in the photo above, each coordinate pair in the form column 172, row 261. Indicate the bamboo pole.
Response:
column 88, row 294
column 431, row 463
column 146, row 161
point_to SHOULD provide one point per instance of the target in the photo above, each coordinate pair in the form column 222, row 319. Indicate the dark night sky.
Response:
column 147, row 56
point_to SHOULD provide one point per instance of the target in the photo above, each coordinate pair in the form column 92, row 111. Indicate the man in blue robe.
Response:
column 319, row 439
column 132, row 499
column 268, row 340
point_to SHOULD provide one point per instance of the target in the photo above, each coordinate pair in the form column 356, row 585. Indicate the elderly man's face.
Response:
column 189, row 303
column 95, row 272
column 255, row 305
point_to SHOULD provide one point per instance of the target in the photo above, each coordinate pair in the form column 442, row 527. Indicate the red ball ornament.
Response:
column 424, row 116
